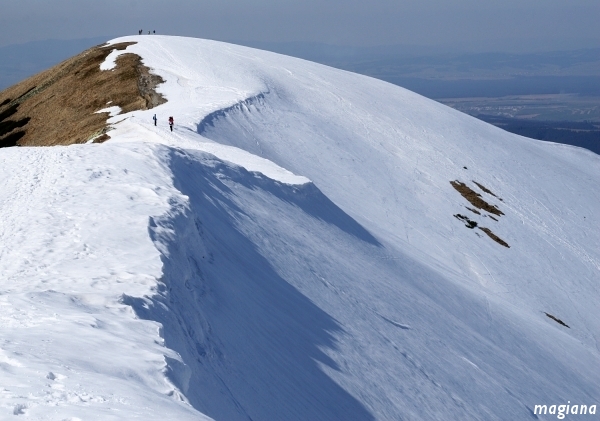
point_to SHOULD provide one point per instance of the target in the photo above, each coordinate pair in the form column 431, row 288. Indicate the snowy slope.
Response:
column 291, row 252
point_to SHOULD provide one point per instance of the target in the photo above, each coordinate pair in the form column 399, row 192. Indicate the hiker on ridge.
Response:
column 154, row 118
column 171, row 122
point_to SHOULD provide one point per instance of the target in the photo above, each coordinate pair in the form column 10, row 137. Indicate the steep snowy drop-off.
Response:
column 166, row 275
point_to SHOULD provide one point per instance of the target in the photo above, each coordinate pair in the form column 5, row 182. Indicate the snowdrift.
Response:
column 307, row 244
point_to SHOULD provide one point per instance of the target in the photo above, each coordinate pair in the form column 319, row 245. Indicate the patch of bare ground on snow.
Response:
column 494, row 237
column 557, row 320
column 58, row 106
column 474, row 198
column 477, row 201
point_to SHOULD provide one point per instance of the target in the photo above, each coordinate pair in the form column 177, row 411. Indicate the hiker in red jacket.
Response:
column 171, row 122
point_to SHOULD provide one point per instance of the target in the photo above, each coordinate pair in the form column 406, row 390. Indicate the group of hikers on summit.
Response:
column 171, row 121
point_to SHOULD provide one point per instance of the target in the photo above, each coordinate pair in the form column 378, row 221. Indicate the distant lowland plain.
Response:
column 551, row 96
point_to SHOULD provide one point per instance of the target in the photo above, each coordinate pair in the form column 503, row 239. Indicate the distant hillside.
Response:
column 582, row 134
column 436, row 73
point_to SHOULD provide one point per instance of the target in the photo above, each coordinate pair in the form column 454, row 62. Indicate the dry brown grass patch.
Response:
column 494, row 237
column 485, row 189
column 61, row 102
column 475, row 198
column 102, row 138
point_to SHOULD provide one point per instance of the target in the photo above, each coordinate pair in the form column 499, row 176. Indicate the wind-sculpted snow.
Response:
column 306, row 244
column 213, row 118
column 74, row 236
column 244, row 332
column 273, row 321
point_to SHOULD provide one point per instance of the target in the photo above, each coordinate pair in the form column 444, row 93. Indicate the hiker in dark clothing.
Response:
column 140, row 32
column 171, row 122
column 154, row 118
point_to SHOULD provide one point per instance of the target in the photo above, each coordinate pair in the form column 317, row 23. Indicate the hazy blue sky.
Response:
column 470, row 25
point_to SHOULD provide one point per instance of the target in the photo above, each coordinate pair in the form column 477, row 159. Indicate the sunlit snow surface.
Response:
column 289, row 252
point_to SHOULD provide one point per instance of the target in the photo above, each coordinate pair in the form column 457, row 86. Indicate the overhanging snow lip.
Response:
column 219, row 294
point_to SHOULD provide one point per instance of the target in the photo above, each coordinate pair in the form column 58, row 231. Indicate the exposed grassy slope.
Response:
column 58, row 106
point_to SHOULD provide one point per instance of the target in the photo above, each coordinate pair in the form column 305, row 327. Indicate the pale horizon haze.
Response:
column 459, row 25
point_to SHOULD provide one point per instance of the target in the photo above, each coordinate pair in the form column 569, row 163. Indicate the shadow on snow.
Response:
column 251, row 344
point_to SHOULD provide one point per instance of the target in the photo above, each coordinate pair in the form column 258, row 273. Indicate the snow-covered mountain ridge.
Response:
column 302, row 246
